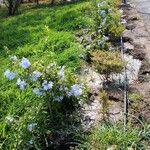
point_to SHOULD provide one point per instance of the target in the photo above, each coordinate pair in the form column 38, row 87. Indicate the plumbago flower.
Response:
column 42, row 87
column 25, row 63
column 76, row 90
column 36, row 75
column 31, row 127
column 9, row 74
column 21, row 84
column 47, row 85
column 38, row 91
column 59, row 98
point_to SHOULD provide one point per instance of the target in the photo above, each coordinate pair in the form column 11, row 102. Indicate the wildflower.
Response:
column 21, row 84
column 37, row 91
column 25, row 63
column 13, row 58
column 9, row 75
column 30, row 142
column 62, row 73
column 103, row 13
column 59, row 98
column 76, row 90
column 35, row 75
column 9, row 119
column 31, row 127
column 47, row 85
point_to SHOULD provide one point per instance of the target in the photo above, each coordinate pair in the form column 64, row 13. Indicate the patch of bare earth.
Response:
column 137, row 40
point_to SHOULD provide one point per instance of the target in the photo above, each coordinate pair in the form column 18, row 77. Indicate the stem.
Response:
column 49, row 108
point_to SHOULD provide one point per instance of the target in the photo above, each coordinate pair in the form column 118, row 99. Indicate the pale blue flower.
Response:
column 31, row 142
column 31, row 127
column 35, row 75
column 47, row 85
column 9, row 75
column 25, row 63
column 37, row 91
column 59, row 98
column 76, row 90
column 21, row 84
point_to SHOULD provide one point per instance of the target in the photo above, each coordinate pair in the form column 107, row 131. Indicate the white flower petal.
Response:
column 25, row 63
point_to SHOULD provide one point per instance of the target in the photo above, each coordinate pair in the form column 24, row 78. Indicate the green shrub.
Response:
column 135, row 97
column 107, row 62
column 38, row 100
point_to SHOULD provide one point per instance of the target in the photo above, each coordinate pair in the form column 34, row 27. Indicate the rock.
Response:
column 130, row 148
column 128, row 36
column 130, row 26
column 113, row 147
column 128, row 46
column 80, row 39
column 123, row 16
column 138, row 52
column 148, row 148
column 88, row 38
column 139, row 46
column 144, row 74
column 133, row 18
column 92, row 98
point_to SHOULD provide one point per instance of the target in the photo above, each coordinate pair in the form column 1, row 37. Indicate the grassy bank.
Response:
column 42, row 34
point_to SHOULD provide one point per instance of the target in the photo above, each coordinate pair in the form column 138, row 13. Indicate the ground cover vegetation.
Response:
column 39, row 88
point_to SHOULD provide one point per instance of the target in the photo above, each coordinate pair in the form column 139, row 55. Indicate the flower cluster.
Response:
column 47, row 85
column 21, row 84
column 38, row 91
column 31, row 127
column 25, row 63
column 76, row 90
column 9, row 74
column 51, row 80
column 36, row 75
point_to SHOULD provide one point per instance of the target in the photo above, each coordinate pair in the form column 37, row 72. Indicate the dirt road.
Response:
column 143, row 7
column 141, row 39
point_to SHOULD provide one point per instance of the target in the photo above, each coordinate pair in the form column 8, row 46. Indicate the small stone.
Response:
column 113, row 147
column 130, row 26
column 128, row 36
column 92, row 98
column 128, row 46
column 133, row 18
column 130, row 148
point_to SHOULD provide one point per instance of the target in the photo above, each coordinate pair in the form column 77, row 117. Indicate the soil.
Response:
column 137, row 43
column 140, row 40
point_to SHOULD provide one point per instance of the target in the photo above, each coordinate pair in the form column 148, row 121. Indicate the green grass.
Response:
column 46, row 32
column 38, row 33
column 106, row 136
